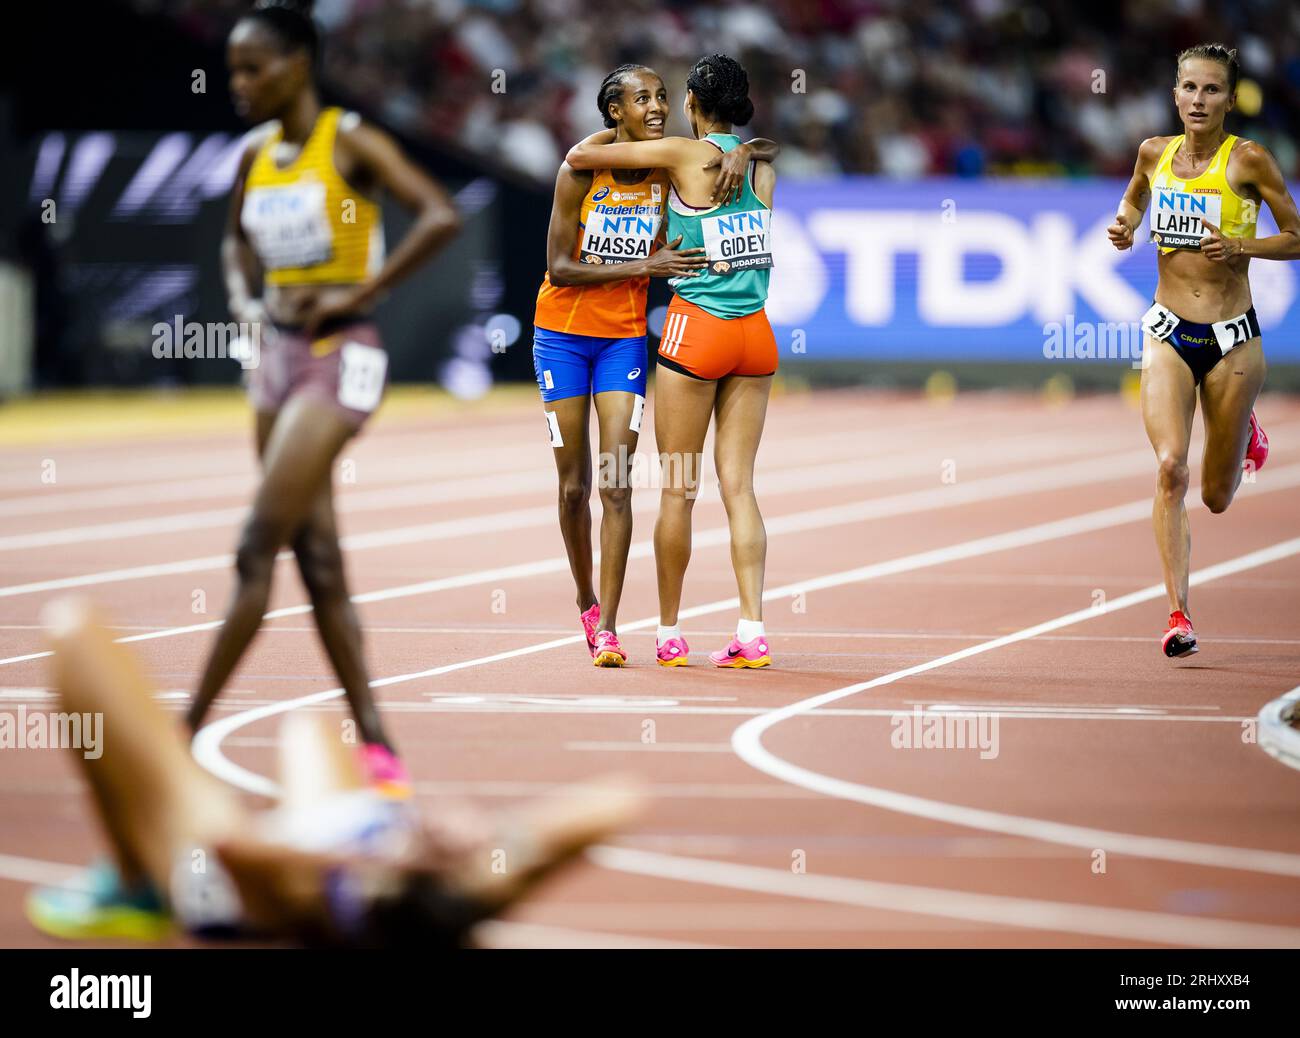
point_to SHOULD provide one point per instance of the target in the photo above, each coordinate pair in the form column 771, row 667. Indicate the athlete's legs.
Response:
column 1168, row 406
column 573, row 464
column 683, row 406
column 614, row 412
column 741, row 409
column 152, row 797
column 1228, row 393
column 306, row 437
column 320, row 563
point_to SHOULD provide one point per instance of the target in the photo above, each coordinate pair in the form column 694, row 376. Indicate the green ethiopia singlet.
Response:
column 738, row 241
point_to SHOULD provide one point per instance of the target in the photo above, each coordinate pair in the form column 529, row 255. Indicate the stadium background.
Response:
column 947, row 174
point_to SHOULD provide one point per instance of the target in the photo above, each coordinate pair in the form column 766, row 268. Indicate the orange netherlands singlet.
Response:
column 618, row 224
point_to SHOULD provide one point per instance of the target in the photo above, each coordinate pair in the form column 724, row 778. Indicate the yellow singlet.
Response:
column 305, row 222
column 1178, row 206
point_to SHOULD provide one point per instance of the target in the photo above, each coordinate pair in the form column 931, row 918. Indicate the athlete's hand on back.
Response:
column 1121, row 234
column 672, row 262
column 732, row 169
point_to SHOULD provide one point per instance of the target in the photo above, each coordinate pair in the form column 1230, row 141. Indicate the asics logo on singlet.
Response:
column 600, row 195
column 633, row 374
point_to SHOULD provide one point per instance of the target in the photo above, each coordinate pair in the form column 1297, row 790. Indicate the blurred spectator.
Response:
column 897, row 87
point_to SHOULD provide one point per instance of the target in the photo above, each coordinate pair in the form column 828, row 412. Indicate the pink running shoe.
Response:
column 384, row 771
column 749, row 654
column 590, row 625
column 673, row 653
column 1257, row 448
column 1179, row 639
column 608, row 652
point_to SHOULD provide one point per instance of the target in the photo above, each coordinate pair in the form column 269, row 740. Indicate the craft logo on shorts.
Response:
column 93, row 991
column 211, row 340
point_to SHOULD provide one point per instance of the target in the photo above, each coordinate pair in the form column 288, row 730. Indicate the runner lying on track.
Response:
column 335, row 862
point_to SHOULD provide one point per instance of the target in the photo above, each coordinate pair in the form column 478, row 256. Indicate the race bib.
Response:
column 361, row 376
column 1233, row 332
column 1159, row 322
column 619, row 233
column 287, row 225
column 1177, row 217
column 738, row 241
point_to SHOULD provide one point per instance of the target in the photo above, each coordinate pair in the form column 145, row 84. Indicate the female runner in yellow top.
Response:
column 1204, row 187
column 303, row 261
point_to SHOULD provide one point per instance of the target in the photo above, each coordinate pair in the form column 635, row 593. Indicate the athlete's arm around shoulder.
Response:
column 1252, row 165
column 764, row 182
column 1137, row 195
column 571, row 187
column 664, row 153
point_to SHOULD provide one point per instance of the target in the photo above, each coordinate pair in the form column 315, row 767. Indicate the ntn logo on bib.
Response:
column 738, row 241
column 614, row 236
column 1178, row 217
column 288, row 225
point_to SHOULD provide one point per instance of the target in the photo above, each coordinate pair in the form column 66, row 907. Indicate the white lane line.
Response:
column 747, row 740
column 771, row 483
column 1278, row 736
column 207, row 743
column 912, row 502
column 498, row 934
column 991, row 909
column 31, row 870
column 652, row 747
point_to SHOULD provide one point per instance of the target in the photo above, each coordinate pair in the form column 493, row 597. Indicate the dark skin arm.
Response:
column 239, row 266
column 732, row 167
column 375, row 158
column 571, row 187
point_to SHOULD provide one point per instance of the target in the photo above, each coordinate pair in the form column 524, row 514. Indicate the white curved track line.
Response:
column 747, row 741
column 1278, row 736
column 1024, row 913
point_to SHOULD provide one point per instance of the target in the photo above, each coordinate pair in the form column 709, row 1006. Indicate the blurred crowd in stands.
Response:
column 902, row 88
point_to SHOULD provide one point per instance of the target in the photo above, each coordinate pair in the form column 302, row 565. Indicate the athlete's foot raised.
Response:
column 1257, row 448
column 756, row 653
column 590, row 625
column 608, row 652
column 1180, row 639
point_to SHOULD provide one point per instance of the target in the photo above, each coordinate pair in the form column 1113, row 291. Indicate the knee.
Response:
column 1217, row 499
column 255, row 556
column 1172, row 478
column 733, row 486
column 320, row 563
column 574, row 495
column 616, row 499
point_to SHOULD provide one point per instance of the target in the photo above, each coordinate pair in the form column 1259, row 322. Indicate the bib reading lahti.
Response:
column 288, row 225
column 1178, row 217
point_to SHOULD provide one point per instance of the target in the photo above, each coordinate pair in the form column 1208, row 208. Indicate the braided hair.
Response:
column 721, row 86
column 611, row 90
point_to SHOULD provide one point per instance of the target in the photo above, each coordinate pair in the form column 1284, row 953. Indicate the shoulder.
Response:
column 1251, row 157
column 569, row 180
column 254, row 140
column 764, row 176
column 362, row 139
column 1150, row 150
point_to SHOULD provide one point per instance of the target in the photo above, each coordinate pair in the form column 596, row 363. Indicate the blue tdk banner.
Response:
column 949, row 269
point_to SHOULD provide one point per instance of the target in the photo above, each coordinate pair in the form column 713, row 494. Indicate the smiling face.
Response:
column 641, row 113
column 264, row 79
column 1202, row 95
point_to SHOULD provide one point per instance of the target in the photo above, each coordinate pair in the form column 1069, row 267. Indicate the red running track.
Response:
column 915, row 549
